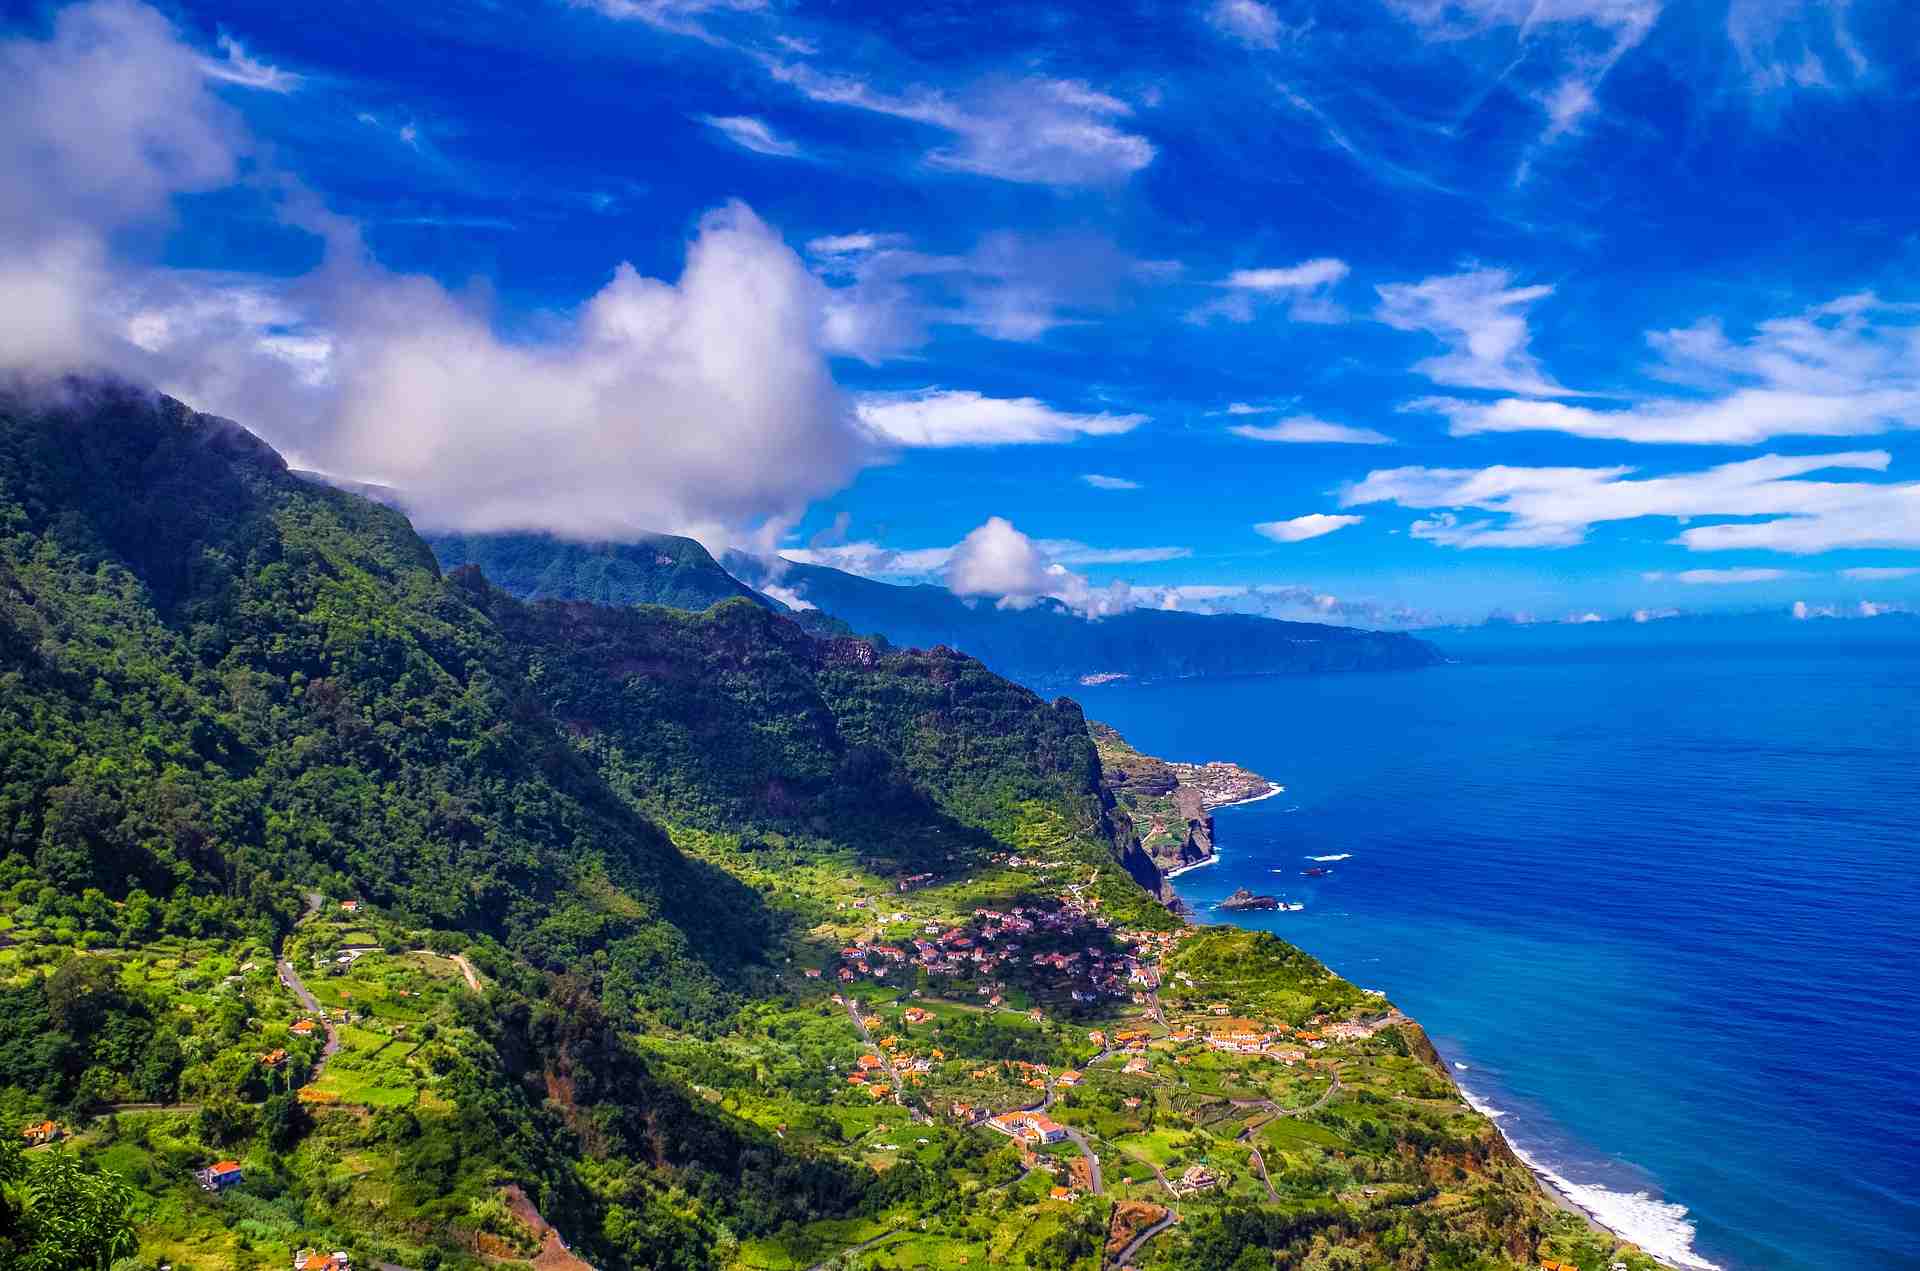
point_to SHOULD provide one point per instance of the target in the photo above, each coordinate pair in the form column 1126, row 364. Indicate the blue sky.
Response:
column 1376, row 310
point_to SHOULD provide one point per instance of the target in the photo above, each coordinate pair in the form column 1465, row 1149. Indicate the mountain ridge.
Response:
column 710, row 942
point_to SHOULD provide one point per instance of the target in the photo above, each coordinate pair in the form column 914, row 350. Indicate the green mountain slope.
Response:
column 661, row 569
column 445, row 916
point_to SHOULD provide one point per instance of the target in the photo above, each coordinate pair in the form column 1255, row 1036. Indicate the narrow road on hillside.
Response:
column 291, row 978
column 466, row 969
column 1259, row 1161
column 1133, row 1246
column 886, row 1060
column 862, row 1247
column 1079, row 1139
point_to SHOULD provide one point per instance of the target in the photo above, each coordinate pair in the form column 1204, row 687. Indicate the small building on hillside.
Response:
column 314, row 1260
column 219, row 1176
column 1029, row 1127
column 1198, row 1178
column 302, row 1028
column 41, row 1132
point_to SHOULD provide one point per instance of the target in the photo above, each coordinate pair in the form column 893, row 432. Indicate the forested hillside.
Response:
column 660, row 569
column 349, row 906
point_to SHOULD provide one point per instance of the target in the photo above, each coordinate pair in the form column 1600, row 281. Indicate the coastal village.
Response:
column 1143, row 1076
column 1103, row 1083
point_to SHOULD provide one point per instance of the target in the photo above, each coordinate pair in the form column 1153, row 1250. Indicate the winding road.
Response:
column 291, row 978
column 886, row 1060
column 1133, row 1246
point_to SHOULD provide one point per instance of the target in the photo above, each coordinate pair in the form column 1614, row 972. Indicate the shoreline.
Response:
column 1176, row 871
column 1562, row 1193
column 1273, row 788
column 1565, row 1195
column 1168, row 875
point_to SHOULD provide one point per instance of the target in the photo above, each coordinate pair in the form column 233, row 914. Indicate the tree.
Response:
column 61, row 1215
column 283, row 1119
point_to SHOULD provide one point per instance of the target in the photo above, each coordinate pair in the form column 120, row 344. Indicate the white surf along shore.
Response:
column 1273, row 788
column 1659, row 1227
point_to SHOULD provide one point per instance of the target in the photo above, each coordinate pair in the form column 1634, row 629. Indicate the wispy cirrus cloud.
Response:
column 680, row 17
column 886, row 295
column 1308, row 430
column 1785, row 45
column 1100, row 481
column 236, row 66
column 1555, row 507
column 1847, row 368
column 1034, row 129
column 1481, row 316
column 1306, row 289
column 1248, row 22
column 1721, row 577
column 1579, row 42
column 752, row 133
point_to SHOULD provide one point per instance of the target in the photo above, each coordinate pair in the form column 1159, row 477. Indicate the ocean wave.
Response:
column 1273, row 788
column 1457, row 1064
column 1658, row 1226
column 1481, row 1106
column 1337, row 856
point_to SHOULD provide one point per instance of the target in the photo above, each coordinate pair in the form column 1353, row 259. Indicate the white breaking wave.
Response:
column 1272, row 789
column 1480, row 1105
column 1457, row 1064
column 1338, row 856
column 1660, row 1227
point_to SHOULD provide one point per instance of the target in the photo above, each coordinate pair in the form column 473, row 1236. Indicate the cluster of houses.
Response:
column 1248, row 1037
column 1032, row 1128
column 314, row 1260
column 992, row 941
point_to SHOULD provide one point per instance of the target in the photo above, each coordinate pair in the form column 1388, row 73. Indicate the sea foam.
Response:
column 1657, row 1226
column 1338, row 856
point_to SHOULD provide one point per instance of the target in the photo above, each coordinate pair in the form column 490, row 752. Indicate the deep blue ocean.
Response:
column 1660, row 910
